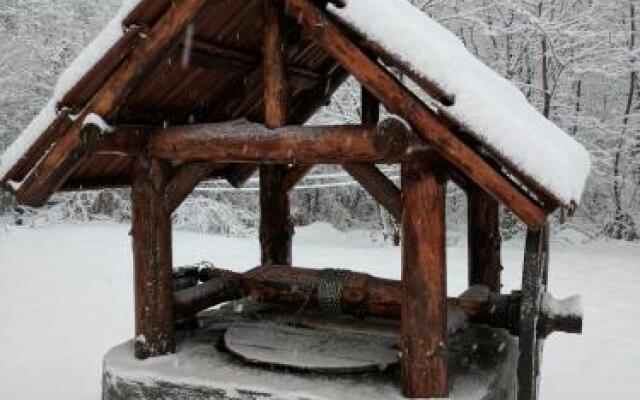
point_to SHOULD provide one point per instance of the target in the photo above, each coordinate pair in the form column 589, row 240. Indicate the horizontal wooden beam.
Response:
column 254, row 143
column 399, row 100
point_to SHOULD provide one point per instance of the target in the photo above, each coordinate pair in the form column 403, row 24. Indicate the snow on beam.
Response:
column 401, row 101
column 249, row 142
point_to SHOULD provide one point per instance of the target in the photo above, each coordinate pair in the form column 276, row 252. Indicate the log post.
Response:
column 484, row 239
column 276, row 227
column 151, row 234
column 424, row 288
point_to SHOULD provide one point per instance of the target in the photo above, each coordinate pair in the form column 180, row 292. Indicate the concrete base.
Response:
column 482, row 367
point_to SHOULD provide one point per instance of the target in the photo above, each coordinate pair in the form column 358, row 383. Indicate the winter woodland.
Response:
column 575, row 60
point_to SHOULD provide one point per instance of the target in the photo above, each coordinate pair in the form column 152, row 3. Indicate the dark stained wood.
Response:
column 276, row 226
column 88, row 85
column 294, row 174
column 360, row 295
column 124, row 141
column 224, row 286
column 381, row 188
column 186, row 178
column 151, row 233
column 238, row 174
column 370, row 105
column 424, row 285
column 35, row 151
column 71, row 150
column 401, row 101
column 234, row 142
column 275, row 74
column 484, row 240
column 215, row 55
column 534, row 278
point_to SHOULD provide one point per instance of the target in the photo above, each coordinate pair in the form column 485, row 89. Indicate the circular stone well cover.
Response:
column 311, row 348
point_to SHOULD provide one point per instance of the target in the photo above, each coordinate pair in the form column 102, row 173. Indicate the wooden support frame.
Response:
column 71, row 149
column 484, row 240
column 429, row 126
column 381, row 188
column 213, row 55
column 294, row 174
column 151, row 233
column 276, row 227
column 243, row 142
column 186, row 178
column 423, row 323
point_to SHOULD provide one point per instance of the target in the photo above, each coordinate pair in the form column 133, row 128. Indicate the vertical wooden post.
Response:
column 424, row 284
column 276, row 228
column 484, row 240
column 152, row 261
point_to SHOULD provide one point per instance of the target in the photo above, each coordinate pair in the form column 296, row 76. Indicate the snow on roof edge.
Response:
column 494, row 110
column 81, row 66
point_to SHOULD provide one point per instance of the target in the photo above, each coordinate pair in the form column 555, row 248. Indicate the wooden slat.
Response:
column 71, row 148
column 401, row 101
column 214, row 55
column 424, row 285
column 151, row 233
column 484, row 240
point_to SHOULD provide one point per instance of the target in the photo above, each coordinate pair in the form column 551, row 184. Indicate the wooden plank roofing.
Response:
column 214, row 73
column 223, row 81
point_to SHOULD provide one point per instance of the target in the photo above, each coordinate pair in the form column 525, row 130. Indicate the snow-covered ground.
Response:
column 66, row 296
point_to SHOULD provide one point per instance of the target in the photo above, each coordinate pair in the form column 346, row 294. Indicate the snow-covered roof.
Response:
column 79, row 68
column 484, row 103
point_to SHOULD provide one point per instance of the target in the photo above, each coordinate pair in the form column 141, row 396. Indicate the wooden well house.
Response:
column 176, row 92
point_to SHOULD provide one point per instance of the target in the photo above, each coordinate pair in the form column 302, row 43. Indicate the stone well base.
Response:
column 482, row 367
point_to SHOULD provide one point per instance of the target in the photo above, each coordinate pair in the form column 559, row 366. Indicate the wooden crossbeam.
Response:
column 381, row 188
column 401, row 101
column 293, row 175
column 206, row 54
column 186, row 178
column 71, row 149
column 233, row 142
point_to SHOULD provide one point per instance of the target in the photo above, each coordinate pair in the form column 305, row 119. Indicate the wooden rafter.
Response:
column 429, row 126
column 71, row 149
column 205, row 54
